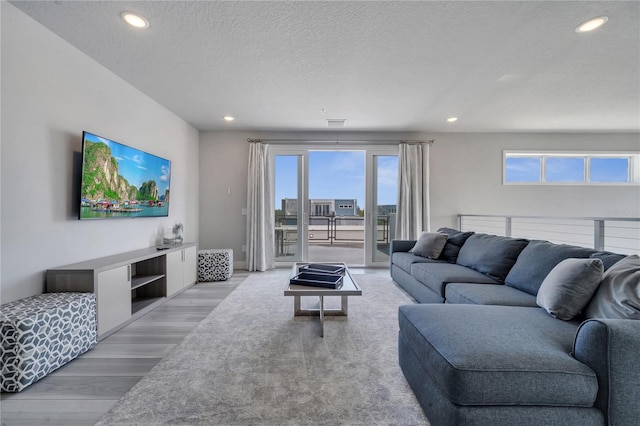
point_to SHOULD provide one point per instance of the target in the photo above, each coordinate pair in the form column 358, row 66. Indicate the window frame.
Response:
column 633, row 169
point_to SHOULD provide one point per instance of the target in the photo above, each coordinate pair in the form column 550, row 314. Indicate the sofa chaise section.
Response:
column 470, row 364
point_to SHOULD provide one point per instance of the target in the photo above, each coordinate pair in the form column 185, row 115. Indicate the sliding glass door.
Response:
column 384, row 195
column 334, row 205
column 289, row 226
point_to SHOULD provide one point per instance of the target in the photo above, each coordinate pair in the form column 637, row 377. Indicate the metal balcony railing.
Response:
column 328, row 229
column 616, row 234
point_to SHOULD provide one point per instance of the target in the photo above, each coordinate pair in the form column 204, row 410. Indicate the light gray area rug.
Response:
column 251, row 362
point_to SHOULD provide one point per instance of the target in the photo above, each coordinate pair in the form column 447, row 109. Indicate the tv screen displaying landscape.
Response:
column 119, row 181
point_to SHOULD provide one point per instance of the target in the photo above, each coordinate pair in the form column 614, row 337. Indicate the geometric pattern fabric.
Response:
column 42, row 333
column 215, row 264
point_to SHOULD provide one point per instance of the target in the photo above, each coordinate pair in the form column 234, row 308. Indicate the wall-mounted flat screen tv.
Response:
column 119, row 181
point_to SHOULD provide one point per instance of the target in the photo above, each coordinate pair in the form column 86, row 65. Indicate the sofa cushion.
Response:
column 437, row 275
column 608, row 258
column 420, row 292
column 430, row 244
column 491, row 254
column 498, row 355
column 487, row 294
column 619, row 293
column 404, row 260
column 536, row 261
column 569, row 287
column 455, row 241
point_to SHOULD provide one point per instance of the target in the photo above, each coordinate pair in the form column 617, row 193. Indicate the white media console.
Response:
column 128, row 285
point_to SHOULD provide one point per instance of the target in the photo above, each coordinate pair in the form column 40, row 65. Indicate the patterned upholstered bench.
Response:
column 42, row 333
column 215, row 264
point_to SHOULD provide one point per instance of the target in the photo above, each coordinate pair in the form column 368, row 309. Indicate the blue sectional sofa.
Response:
column 478, row 349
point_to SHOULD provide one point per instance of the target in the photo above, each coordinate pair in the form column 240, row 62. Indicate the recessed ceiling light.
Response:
column 228, row 118
column 336, row 122
column 452, row 119
column 592, row 24
column 135, row 20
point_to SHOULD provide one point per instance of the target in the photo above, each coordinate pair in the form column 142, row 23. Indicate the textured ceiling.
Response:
column 382, row 66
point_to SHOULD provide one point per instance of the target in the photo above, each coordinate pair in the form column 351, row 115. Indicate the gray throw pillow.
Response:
column 568, row 287
column 538, row 259
column 619, row 293
column 430, row 244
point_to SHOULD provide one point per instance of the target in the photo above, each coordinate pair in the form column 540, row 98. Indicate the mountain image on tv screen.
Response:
column 121, row 181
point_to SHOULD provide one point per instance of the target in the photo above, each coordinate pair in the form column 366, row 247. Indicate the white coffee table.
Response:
column 349, row 288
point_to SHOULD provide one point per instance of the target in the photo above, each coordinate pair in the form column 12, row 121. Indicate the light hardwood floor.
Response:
column 82, row 391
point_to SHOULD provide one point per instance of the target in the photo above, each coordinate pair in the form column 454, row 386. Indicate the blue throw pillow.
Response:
column 491, row 255
column 608, row 259
column 454, row 243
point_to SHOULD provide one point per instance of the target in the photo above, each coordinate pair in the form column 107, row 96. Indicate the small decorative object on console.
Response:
column 177, row 234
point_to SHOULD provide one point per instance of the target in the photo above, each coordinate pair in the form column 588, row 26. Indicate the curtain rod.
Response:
column 339, row 141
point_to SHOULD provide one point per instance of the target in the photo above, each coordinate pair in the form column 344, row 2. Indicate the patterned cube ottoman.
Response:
column 215, row 264
column 42, row 333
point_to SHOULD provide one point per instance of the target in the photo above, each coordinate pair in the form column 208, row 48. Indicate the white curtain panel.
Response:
column 260, row 211
column 413, row 193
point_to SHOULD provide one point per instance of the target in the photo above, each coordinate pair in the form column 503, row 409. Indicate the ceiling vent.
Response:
column 335, row 123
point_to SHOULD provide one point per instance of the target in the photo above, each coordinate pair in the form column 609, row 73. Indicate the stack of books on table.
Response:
column 319, row 275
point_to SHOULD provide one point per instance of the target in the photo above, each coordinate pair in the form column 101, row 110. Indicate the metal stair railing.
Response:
column 616, row 234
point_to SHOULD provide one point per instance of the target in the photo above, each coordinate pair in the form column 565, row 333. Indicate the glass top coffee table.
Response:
column 349, row 288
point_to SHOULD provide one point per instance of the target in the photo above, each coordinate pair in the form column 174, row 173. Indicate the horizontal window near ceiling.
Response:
column 575, row 168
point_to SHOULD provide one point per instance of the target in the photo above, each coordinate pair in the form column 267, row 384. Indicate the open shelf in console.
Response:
column 140, row 280
column 140, row 303
column 148, row 282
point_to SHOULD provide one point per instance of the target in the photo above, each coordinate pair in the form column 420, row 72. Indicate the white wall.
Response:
column 466, row 177
column 223, row 167
column 51, row 91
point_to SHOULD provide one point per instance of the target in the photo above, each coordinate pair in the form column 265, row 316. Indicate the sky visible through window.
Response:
column 522, row 169
column 335, row 175
column 609, row 169
column 528, row 169
column 561, row 169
